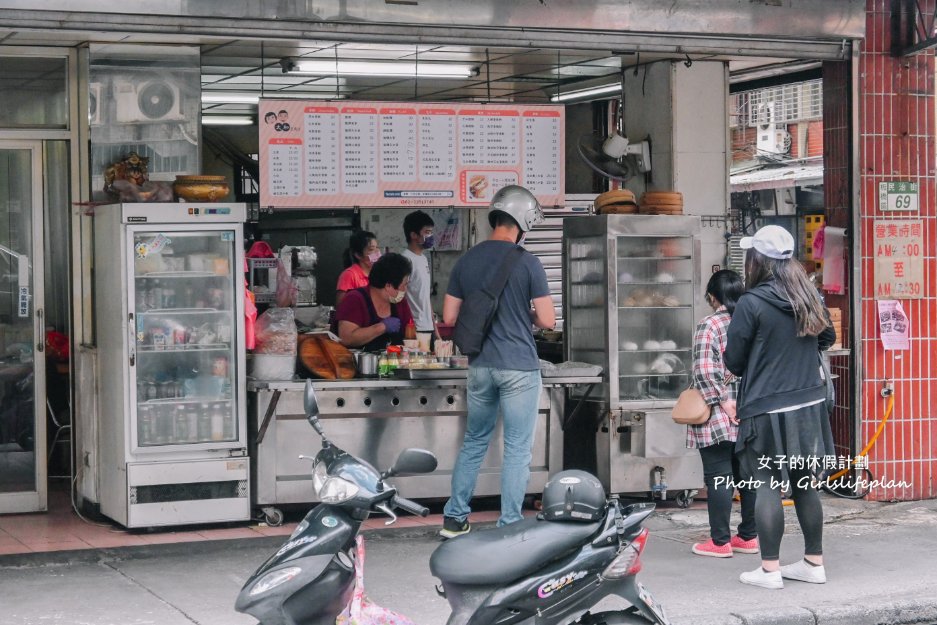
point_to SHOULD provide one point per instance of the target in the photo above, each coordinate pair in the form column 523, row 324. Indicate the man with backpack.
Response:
column 505, row 372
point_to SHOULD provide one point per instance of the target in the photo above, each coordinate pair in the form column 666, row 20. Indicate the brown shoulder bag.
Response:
column 691, row 408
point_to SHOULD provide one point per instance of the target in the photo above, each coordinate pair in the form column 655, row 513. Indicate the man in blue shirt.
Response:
column 506, row 373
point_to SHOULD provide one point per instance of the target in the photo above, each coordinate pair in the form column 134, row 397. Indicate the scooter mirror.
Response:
column 311, row 406
column 413, row 461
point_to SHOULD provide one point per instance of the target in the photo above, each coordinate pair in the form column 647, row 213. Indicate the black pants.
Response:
column 720, row 461
column 769, row 510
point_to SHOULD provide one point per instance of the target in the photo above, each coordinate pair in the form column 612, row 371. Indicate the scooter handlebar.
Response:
column 410, row 506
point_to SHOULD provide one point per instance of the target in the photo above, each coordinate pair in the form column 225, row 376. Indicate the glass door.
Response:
column 22, row 358
column 184, row 304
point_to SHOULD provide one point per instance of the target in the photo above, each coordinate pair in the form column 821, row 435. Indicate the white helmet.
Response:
column 519, row 203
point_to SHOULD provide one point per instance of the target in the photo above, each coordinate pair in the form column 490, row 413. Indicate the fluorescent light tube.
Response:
column 586, row 93
column 221, row 97
column 380, row 68
column 227, row 120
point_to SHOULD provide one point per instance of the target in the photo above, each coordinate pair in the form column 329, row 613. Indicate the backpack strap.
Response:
column 504, row 272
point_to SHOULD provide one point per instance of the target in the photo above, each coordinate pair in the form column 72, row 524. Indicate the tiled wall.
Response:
column 897, row 142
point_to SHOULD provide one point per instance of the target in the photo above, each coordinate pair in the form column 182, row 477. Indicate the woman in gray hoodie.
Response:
column 773, row 343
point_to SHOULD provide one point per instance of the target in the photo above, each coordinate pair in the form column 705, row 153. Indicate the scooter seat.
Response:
column 500, row 555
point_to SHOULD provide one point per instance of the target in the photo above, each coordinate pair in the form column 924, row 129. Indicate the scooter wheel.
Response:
column 273, row 517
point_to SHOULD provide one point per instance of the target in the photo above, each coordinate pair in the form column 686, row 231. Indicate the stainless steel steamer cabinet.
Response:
column 631, row 304
column 375, row 420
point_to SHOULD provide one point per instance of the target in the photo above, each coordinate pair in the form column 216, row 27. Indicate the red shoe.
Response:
column 709, row 548
column 744, row 546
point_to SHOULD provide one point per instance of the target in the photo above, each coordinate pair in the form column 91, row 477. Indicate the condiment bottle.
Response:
column 410, row 332
column 382, row 365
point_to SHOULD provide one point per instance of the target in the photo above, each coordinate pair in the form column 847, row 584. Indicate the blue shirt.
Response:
column 510, row 343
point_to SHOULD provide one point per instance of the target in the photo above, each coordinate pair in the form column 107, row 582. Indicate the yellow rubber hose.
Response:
column 865, row 451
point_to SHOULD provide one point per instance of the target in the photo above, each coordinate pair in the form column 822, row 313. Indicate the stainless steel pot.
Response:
column 367, row 364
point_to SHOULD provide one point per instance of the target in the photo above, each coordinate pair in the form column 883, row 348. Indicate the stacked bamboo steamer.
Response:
column 662, row 203
column 617, row 202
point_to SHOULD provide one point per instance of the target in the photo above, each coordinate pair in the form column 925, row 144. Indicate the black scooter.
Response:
column 533, row 572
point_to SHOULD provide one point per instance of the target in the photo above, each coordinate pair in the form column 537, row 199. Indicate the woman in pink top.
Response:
column 362, row 252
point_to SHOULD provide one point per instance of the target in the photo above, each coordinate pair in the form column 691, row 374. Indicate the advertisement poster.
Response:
column 407, row 155
column 898, row 247
column 894, row 325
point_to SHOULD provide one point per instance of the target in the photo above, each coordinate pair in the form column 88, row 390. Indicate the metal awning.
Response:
column 799, row 174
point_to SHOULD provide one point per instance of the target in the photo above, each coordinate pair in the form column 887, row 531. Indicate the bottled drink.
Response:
column 191, row 413
column 155, row 295
column 180, row 424
column 229, row 422
column 204, row 423
column 145, row 432
column 163, row 417
column 217, row 423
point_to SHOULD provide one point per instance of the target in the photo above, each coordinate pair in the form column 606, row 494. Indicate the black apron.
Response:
column 388, row 338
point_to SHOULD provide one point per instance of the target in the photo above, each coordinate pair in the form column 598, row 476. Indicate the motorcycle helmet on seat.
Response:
column 517, row 202
column 573, row 496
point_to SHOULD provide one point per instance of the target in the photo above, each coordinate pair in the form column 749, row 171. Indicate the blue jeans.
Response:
column 518, row 395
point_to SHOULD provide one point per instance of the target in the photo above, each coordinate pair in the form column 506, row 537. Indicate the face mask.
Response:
column 428, row 241
column 396, row 299
column 373, row 257
column 521, row 239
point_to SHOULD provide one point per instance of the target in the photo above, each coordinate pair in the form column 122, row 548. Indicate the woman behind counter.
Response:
column 360, row 256
column 374, row 316
column 716, row 438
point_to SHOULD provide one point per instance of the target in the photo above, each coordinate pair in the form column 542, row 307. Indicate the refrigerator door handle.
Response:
column 132, row 341
column 40, row 335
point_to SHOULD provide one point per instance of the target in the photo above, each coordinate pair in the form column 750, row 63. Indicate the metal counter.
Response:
column 375, row 420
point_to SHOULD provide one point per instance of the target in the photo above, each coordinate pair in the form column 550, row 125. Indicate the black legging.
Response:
column 769, row 510
column 720, row 461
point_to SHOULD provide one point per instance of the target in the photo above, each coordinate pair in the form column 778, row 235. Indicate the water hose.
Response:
column 862, row 454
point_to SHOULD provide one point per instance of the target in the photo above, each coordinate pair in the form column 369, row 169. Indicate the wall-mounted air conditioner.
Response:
column 148, row 101
column 95, row 103
column 771, row 137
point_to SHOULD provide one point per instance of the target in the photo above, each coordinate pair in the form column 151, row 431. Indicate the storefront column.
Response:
column 896, row 129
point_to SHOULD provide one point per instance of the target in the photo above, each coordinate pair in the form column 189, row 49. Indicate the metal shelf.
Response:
column 662, row 350
column 208, row 347
column 184, row 311
column 182, row 274
column 654, row 257
column 682, row 307
column 653, row 283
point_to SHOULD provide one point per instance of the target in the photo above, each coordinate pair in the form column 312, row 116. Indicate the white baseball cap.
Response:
column 772, row 241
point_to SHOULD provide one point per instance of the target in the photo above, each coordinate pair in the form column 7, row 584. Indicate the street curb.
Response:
column 159, row 550
column 905, row 612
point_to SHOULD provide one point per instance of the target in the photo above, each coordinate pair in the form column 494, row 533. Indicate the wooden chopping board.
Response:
column 325, row 358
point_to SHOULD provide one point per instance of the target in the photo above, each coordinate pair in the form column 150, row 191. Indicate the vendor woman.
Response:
column 360, row 256
column 375, row 316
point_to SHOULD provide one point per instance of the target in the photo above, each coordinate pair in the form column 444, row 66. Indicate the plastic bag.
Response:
column 275, row 332
column 361, row 611
column 286, row 290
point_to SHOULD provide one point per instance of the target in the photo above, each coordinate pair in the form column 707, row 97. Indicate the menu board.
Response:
column 386, row 154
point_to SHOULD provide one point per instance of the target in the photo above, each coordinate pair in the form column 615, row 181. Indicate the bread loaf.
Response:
column 325, row 358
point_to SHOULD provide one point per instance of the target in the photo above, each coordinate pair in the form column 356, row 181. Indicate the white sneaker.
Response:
column 804, row 572
column 759, row 577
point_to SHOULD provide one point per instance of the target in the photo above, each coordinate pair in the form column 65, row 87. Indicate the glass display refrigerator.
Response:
column 169, row 310
column 631, row 304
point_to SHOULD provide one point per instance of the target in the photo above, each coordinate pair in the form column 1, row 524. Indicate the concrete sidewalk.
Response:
column 880, row 564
